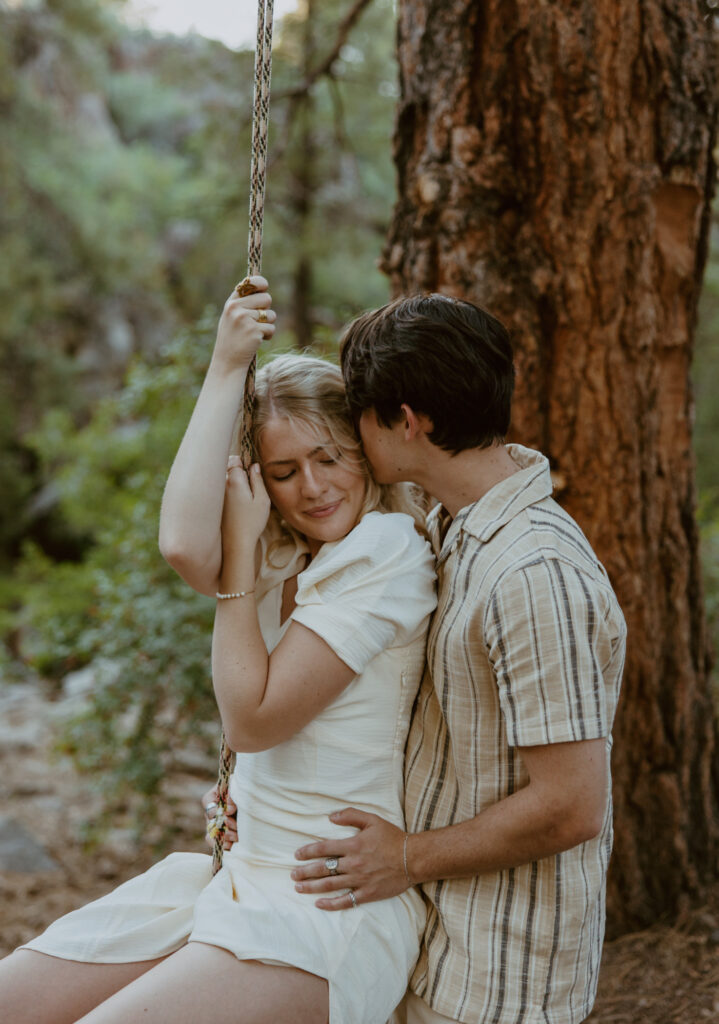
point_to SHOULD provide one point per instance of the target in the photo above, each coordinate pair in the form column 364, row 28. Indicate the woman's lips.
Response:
column 323, row 511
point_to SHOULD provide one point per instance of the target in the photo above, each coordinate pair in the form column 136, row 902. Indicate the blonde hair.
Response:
column 311, row 391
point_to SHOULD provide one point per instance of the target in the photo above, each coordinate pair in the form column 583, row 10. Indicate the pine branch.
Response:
column 325, row 68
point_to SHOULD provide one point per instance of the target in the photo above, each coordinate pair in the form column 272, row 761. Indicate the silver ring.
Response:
column 211, row 808
column 351, row 894
column 332, row 864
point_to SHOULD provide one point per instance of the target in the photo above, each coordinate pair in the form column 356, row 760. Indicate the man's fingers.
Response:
column 315, row 869
column 318, row 869
column 352, row 817
column 343, row 902
column 330, row 883
column 325, row 848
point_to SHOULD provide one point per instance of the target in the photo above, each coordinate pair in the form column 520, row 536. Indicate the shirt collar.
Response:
column 483, row 518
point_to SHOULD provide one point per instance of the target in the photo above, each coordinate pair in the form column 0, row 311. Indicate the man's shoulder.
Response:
column 542, row 531
column 541, row 542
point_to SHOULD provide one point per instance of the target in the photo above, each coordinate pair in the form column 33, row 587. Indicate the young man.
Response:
column 508, row 794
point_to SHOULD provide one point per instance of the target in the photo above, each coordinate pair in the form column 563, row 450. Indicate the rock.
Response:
column 78, row 686
column 24, row 737
column 21, row 852
column 79, row 683
column 15, row 696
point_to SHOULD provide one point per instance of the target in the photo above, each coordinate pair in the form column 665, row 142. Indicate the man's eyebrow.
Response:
column 286, row 462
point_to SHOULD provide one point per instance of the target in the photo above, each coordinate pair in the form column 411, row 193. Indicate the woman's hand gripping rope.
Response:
column 246, row 508
column 246, row 321
column 216, row 816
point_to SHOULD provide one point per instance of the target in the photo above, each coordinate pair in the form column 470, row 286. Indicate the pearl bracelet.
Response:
column 227, row 597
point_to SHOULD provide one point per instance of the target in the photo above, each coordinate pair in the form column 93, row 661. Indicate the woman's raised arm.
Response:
column 191, row 516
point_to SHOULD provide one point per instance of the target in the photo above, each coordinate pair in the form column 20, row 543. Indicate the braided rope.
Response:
column 258, row 176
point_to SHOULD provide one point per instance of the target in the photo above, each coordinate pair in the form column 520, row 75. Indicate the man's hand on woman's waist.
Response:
column 370, row 864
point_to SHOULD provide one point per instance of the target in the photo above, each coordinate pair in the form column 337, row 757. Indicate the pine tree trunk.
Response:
column 555, row 165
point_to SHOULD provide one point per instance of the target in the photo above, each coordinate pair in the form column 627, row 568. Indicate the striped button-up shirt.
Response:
column 526, row 648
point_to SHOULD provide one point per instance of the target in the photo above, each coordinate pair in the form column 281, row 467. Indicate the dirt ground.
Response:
column 665, row 975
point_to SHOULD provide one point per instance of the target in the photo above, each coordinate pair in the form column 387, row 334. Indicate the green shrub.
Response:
column 122, row 608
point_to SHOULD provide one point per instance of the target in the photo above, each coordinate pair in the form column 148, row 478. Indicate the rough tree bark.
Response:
column 555, row 166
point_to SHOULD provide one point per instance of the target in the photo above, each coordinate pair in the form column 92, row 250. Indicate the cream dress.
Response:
column 369, row 596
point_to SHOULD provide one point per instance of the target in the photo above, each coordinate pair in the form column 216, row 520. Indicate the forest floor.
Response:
column 664, row 975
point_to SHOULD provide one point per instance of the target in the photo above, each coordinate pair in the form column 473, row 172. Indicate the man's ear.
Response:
column 415, row 423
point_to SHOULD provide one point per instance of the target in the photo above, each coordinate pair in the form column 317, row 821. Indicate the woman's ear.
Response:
column 415, row 423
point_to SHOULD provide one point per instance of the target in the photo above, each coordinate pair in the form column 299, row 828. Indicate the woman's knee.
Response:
column 36, row 988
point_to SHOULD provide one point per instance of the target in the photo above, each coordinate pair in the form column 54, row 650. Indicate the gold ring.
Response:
column 262, row 317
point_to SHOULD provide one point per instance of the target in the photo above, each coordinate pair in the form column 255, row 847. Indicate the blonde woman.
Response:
column 324, row 591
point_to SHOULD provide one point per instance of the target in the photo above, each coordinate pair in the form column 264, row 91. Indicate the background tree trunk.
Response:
column 555, row 166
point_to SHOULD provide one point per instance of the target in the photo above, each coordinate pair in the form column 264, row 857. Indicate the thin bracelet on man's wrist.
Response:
column 228, row 597
column 404, row 858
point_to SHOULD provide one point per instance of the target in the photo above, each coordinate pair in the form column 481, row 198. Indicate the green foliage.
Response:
column 124, row 172
column 122, row 609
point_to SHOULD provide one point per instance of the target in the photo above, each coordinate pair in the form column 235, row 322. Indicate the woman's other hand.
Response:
column 245, row 322
column 209, row 803
column 246, row 509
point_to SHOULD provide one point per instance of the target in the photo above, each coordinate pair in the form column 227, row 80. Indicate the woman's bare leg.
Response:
column 202, row 983
column 40, row 989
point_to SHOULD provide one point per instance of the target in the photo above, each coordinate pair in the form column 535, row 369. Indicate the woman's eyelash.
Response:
column 327, row 461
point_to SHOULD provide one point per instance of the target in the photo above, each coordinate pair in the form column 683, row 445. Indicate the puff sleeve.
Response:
column 373, row 590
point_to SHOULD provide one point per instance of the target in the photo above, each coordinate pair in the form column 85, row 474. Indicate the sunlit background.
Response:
column 232, row 23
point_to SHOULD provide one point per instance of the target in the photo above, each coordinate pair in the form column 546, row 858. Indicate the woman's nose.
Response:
column 312, row 483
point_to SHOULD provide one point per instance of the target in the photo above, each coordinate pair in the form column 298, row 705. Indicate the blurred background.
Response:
column 124, row 178
column 124, row 171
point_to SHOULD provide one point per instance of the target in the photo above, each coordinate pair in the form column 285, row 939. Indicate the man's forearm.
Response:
column 517, row 830
column 562, row 805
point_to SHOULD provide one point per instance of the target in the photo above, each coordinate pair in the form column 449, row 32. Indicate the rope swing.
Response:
column 258, row 176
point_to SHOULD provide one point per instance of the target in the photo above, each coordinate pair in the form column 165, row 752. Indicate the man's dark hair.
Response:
column 444, row 357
